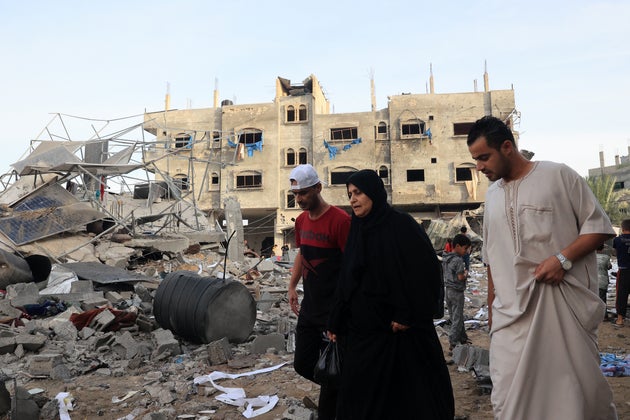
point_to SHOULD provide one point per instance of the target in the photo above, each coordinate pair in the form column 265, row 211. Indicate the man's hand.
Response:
column 549, row 271
column 293, row 300
column 396, row 327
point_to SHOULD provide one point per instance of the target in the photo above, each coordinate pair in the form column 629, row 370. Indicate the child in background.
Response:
column 455, row 275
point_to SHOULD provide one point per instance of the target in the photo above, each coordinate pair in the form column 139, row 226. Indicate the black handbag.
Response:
column 328, row 367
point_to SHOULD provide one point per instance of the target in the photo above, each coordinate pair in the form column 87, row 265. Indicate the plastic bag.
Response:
column 328, row 367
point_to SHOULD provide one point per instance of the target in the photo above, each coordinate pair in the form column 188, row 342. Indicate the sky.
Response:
column 568, row 62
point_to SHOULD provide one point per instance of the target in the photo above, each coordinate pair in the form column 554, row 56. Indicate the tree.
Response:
column 604, row 189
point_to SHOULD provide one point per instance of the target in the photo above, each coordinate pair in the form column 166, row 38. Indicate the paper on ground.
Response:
column 236, row 396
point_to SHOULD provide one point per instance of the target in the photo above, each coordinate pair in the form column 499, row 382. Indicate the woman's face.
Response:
column 360, row 202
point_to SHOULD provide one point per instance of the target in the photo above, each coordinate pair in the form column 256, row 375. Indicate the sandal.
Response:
column 616, row 325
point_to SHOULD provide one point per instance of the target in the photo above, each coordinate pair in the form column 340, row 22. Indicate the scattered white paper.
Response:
column 237, row 397
column 65, row 405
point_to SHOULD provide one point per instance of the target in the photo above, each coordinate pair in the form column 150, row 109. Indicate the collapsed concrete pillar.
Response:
column 234, row 220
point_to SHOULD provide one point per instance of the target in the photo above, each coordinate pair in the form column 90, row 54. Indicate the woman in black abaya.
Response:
column 393, row 364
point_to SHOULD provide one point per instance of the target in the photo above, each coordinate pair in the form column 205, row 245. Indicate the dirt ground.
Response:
column 93, row 392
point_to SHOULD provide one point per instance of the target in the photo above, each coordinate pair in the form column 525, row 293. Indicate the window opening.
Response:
column 249, row 181
column 462, row 129
column 302, row 156
column 415, row 175
column 290, row 113
column 290, row 157
column 340, row 134
column 302, row 115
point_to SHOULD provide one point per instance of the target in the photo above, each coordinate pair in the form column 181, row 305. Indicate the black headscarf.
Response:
column 354, row 260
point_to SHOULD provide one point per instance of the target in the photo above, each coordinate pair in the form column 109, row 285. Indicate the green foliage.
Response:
column 604, row 189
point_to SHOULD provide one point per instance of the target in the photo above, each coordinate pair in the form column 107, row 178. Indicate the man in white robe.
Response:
column 542, row 225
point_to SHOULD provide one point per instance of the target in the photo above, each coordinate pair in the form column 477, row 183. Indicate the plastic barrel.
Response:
column 204, row 309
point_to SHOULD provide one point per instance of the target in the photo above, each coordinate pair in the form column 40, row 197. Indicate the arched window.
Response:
column 465, row 172
column 290, row 157
column 249, row 179
column 214, row 181
column 383, row 172
column 381, row 131
column 183, row 140
column 302, row 114
column 290, row 113
column 302, row 156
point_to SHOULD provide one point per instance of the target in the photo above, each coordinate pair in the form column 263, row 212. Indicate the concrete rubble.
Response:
column 83, row 277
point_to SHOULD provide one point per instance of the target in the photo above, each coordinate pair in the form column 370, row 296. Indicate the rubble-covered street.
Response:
column 119, row 364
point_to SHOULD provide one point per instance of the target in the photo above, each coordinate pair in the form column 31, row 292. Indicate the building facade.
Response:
column 417, row 145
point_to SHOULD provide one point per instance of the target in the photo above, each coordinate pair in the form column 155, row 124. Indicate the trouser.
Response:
column 309, row 342
column 466, row 258
column 623, row 289
column 455, row 304
column 602, row 294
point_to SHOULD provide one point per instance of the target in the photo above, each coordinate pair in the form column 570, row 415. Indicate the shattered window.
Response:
column 302, row 116
column 415, row 175
column 290, row 113
column 415, row 128
column 462, row 129
column 290, row 157
column 250, row 136
column 182, row 140
column 249, row 181
column 341, row 134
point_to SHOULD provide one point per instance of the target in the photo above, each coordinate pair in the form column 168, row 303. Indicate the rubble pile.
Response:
column 108, row 331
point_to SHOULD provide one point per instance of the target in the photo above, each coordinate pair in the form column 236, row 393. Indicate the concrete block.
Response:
column 65, row 331
column 102, row 320
column 125, row 346
column 81, row 286
column 94, row 303
column 43, row 364
column 263, row 342
column 7, row 345
column 104, row 340
column 114, row 297
column 219, row 352
column 165, row 342
column 31, row 342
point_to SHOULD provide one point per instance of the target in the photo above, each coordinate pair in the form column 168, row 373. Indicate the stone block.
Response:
column 165, row 342
column 7, row 345
column 114, row 297
column 65, row 331
column 81, row 286
column 31, row 342
column 102, row 320
column 43, row 364
column 263, row 342
column 94, row 303
column 125, row 346
column 219, row 352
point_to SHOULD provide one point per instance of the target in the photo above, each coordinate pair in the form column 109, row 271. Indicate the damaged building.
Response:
column 417, row 144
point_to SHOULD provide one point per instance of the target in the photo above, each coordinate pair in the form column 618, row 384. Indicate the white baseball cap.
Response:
column 305, row 176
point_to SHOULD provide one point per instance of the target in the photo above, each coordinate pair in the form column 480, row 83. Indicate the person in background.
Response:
column 603, row 265
column 541, row 227
column 393, row 363
column 455, row 275
column 622, row 249
column 449, row 245
column 321, row 231
column 464, row 231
